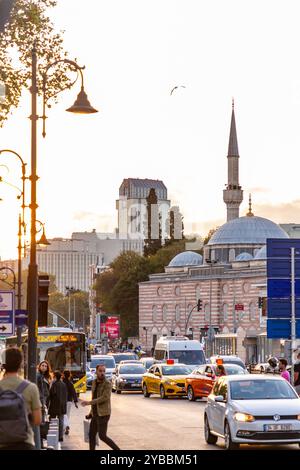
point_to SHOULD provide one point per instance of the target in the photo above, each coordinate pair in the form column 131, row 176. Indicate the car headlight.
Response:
column 123, row 380
column 168, row 382
column 244, row 418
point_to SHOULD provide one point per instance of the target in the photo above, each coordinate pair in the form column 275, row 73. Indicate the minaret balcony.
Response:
column 232, row 195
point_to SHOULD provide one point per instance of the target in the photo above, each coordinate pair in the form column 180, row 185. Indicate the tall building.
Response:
column 132, row 207
column 233, row 194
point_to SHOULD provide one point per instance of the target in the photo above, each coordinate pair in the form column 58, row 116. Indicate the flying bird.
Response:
column 175, row 88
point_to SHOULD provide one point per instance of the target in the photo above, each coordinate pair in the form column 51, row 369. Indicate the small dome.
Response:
column 186, row 258
column 262, row 253
column 244, row 257
column 253, row 230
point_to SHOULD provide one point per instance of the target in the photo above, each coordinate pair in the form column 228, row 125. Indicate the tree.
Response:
column 29, row 24
column 153, row 224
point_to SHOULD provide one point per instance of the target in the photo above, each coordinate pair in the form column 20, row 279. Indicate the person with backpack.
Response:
column 20, row 406
column 72, row 397
column 57, row 402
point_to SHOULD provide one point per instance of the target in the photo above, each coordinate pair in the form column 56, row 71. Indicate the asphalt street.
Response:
column 139, row 423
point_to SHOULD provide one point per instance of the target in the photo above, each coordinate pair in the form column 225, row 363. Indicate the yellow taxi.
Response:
column 167, row 380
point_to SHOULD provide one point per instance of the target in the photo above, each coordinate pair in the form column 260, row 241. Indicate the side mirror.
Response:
column 208, row 374
column 219, row 398
column 157, row 374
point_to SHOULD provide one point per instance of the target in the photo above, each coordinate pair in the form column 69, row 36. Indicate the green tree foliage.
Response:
column 30, row 22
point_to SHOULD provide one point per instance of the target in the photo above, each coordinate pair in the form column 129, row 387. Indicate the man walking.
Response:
column 101, row 409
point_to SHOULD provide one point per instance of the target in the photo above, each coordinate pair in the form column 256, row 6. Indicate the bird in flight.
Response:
column 175, row 88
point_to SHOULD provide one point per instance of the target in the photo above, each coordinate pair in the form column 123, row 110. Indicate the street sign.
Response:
column 7, row 313
column 279, row 287
column 239, row 307
column 21, row 318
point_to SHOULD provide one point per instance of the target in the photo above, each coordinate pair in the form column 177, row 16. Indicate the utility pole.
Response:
column 293, row 311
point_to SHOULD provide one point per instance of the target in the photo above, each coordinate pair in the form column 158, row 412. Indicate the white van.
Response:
column 181, row 349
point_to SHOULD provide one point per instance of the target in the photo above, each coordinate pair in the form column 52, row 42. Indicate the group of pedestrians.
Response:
column 57, row 393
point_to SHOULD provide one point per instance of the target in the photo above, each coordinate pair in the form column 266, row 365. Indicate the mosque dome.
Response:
column 247, row 230
column 244, row 257
column 186, row 258
column 262, row 253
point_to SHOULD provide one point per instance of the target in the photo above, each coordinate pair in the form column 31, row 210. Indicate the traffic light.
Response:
column 199, row 305
column 44, row 283
column 260, row 302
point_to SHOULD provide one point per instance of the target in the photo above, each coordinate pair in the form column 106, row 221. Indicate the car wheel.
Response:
column 190, row 393
column 229, row 445
column 113, row 389
column 145, row 391
column 118, row 391
column 209, row 437
column 262, row 370
column 162, row 392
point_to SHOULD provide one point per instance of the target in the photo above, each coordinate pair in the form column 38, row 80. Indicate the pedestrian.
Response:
column 44, row 377
column 297, row 374
column 282, row 367
column 57, row 401
column 20, row 399
column 220, row 370
column 71, row 397
column 100, row 409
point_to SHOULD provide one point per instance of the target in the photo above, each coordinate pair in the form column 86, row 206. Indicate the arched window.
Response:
column 154, row 313
column 206, row 312
column 198, row 292
column 177, row 290
column 252, row 311
column 224, row 312
column 177, row 313
column 164, row 312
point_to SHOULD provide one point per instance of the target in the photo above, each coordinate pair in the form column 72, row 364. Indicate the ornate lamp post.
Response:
column 81, row 106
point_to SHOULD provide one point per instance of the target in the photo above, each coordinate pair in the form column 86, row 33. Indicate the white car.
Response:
column 252, row 409
column 106, row 360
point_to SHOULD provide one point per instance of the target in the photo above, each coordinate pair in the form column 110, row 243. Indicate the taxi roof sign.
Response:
column 219, row 361
column 170, row 361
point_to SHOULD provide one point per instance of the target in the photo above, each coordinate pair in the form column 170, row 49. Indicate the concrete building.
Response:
column 132, row 207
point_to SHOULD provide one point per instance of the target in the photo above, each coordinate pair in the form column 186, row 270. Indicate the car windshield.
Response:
column 123, row 357
column 107, row 361
column 132, row 369
column 234, row 369
column 176, row 370
column 188, row 357
column 261, row 390
column 148, row 363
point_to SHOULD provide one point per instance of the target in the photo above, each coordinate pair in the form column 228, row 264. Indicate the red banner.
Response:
column 111, row 327
column 239, row 307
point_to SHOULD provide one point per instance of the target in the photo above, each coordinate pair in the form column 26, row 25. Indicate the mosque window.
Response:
column 225, row 288
column 160, row 291
column 225, row 312
column 177, row 313
column 154, row 313
column 206, row 312
column 252, row 311
column 198, row 292
column 177, row 290
column 164, row 312
column 246, row 287
column 231, row 254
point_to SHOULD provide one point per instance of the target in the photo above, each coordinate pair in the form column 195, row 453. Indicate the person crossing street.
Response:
column 100, row 409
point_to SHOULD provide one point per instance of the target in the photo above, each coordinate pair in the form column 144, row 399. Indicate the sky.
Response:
column 135, row 52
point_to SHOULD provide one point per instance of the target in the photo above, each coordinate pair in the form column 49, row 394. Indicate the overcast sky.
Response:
column 135, row 52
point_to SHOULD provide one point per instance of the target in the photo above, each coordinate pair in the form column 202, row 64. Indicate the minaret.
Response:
column 233, row 194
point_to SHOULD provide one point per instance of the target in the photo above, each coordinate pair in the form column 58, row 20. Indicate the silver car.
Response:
column 252, row 410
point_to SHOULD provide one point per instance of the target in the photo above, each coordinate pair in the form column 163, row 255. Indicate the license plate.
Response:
column 135, row 385
column 278, row 427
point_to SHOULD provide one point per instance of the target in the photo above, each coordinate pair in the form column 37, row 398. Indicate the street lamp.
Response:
column 210, row 333
column 78, row 107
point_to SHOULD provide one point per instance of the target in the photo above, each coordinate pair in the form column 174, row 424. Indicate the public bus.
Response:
column 62, row 348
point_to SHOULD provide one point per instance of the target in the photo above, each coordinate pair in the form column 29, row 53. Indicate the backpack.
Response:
column 14, row 422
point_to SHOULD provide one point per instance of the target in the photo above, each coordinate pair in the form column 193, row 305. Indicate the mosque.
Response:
column 229, row 280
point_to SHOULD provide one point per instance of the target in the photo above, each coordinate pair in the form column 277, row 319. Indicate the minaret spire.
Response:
column 250, row 213
column 233, row 194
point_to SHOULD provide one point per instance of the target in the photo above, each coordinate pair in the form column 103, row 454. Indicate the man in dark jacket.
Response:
column 57, row 402
column 101, row 409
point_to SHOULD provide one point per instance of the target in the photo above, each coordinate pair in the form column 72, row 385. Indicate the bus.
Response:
column 62, row 348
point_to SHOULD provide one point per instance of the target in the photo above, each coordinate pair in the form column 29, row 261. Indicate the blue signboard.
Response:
column 279, row 287
column 21, row 318
column 7, row 313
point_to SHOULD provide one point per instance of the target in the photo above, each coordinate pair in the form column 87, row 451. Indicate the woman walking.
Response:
column 72, row 397
column 44, row 377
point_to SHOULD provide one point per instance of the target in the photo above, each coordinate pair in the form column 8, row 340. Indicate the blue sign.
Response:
column 21, row 318
column 7, row 313
column 279, row 287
